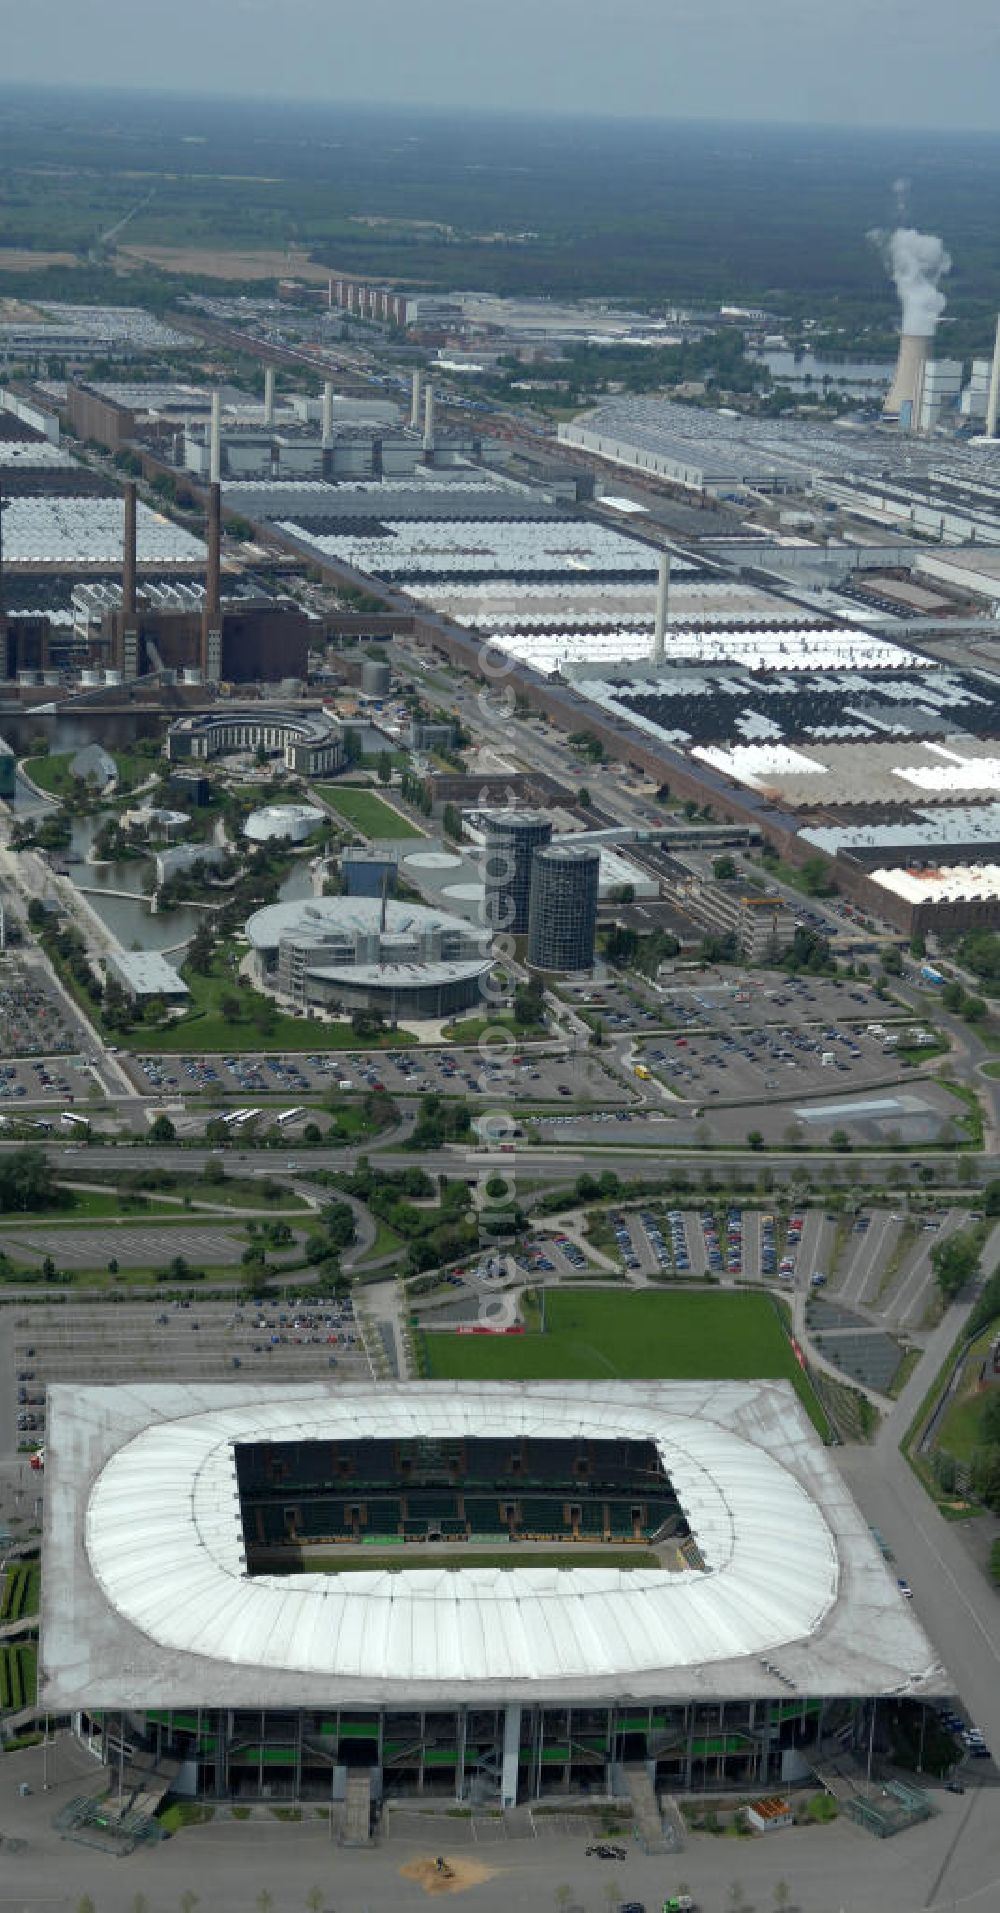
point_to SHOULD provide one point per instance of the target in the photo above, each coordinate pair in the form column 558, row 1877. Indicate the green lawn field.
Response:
column 367, row 812
column 637, row 1337
column 387, row 1559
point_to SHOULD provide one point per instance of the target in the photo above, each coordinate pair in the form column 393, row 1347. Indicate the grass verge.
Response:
column 367, row 812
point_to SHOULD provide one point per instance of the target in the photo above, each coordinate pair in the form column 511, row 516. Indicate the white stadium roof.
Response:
column 147, row 1599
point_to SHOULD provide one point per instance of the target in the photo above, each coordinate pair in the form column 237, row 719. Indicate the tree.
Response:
column 315, row 1899
column 264, row 1901
column 188, row 1900
column 200, row 949
column 755, row 1139
column 839, row 1139
column 584, row 798
column 892, row 964
column 162, row 1129
column 955, row 1263
column 385, row 767
column 724, row 868
column 113, row 1265
column 816, row 879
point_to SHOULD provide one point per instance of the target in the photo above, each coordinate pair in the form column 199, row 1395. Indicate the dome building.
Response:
column 273, row 822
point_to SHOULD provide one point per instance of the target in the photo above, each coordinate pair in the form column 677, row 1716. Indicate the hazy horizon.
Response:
column 777, row 64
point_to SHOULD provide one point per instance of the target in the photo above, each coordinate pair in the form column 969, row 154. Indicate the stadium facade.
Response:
column 190, row 1614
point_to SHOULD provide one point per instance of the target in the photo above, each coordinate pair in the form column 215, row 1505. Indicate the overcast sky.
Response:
column 854, row 62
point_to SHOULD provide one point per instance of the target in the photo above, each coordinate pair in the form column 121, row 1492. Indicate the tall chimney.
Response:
column 993, row 402
column 429, row 422
column 215, row 442
column 662, row 597
column 129, row 552
column 211, row 619
column 416, row 402
column 328, row 414
column 269, row 395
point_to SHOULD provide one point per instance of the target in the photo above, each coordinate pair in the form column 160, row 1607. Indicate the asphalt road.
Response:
column 954, row 1601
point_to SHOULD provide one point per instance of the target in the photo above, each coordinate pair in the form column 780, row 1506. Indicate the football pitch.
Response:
column 639, row 1337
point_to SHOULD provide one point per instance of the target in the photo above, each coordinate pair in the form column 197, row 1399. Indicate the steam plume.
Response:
column 917, row 262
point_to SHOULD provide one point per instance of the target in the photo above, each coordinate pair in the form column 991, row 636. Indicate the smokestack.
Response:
column 269, row 395
column 906, row 394
column 416, row 402
column 213, row 567
column 429, row 422
column 993, row 402
column 129, row 552
column 215, row 442
column 662, row 597
column 327, row 414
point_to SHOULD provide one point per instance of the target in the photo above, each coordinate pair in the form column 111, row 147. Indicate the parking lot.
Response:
column 528, row 1074
column 159, row 1340
column 889, row 1114
column 57, row 1081
column 781, row 1062
column 34, row 1020
column 139, row 1246
column 724, row 1002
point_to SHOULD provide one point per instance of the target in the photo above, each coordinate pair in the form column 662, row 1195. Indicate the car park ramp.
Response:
column 356, row 1830
column 645, row 1808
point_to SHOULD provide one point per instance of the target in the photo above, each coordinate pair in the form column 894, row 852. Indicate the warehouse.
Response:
column 186, row 1611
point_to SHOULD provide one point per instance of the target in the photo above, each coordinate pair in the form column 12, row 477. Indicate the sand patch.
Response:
column 216, row 262
column 460, row 1875
column 20, row 259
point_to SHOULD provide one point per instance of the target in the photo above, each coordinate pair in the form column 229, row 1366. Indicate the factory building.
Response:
column 562, row 909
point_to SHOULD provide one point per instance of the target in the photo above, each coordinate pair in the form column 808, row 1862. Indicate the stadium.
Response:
column 490, row 1592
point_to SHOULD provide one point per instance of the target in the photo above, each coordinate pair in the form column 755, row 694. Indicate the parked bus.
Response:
column 290, row 1116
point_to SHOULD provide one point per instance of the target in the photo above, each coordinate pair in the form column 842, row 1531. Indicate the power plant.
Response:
column 917, row 262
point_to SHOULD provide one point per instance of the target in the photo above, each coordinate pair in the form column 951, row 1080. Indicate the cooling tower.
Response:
column 906, row 394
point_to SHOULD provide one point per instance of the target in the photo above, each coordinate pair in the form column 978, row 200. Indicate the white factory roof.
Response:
column 507, row 547
column 768, row 646
column 147, row 1596
column 33, row 455
column 956, row 883
column 44, row 530
column 950, row 824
